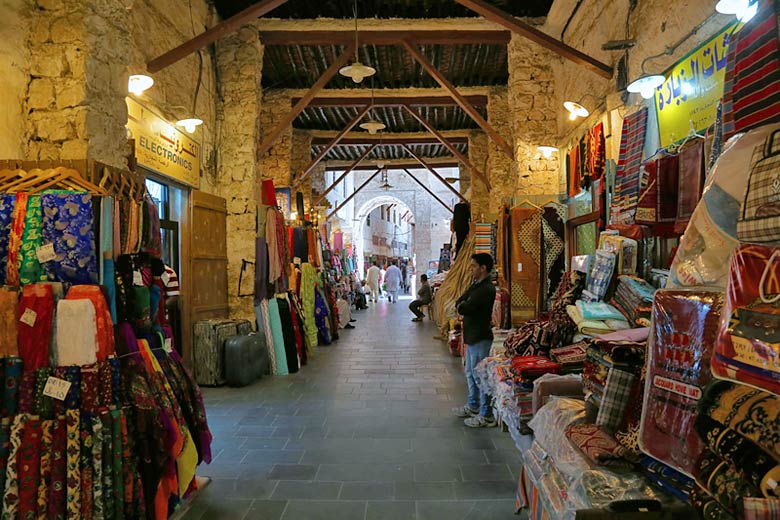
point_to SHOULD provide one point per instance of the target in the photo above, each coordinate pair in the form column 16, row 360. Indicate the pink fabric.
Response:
column 628, row 335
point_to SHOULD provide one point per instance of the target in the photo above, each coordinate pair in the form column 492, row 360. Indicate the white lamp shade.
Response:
column 547, row 151
column 575, row 109
column 190, row 124
column 646, row 85
column 744, row 10
column 357, row 71
column 138, row 83
column 373, row 126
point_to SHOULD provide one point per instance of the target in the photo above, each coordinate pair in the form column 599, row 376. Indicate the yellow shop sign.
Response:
column 161, row 147
column 692, row 90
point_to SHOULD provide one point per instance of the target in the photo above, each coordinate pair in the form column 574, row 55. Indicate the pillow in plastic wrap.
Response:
column 710, row 239
column 549, row 425
column 551, row 385
column 597, row 488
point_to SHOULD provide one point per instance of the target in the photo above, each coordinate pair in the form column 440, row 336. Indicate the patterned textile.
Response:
column 73, row 479
column 12, row 374
column 647, row 204
column 98, row 502
column 573, row 170
column 634, row 298
column 264, row 326
column 600, row 275
column 35, row 336
column 278, row 337
column 6, row 216
column 30, row 270
column 5, row 447
column 288, row 333
column 44, row 482
column 597, row 445
column 29, row 467
column 11, row 491
column 105, row 329
column 67, row 223
column 632, row 142
column 526, row 263
column 684, row 330
column 15, row 238
column 617, row 393
column 43, row 406
column 554, row 242
column 596, row 159
column 573, row 355
column 9, row 314
column 761, row 508
column 691, row 182
column 321, row 313
column 724, row 482
column 308, row 287
column 668, row 185
column 707, row 507
column 668, row 479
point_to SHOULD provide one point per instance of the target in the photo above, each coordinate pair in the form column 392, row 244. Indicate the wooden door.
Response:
column 206, row 246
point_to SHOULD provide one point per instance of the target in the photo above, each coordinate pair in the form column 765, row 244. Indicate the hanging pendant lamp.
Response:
column 357, row 71
column 372, row 125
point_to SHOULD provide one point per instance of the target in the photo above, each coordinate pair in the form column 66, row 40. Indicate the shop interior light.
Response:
column 744, row 10
column 357, row 71
column 190, row 124
column 138, row 83
column 646, row 85
column 547, row 151
column 373, row 126
column 575, row 110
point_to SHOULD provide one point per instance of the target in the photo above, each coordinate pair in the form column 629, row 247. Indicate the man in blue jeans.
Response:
column 476, row 307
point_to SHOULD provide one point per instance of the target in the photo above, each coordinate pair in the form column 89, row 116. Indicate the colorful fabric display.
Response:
column 617, row 392
column 725, row 482
column 632, row 142
column 570, row 358
column 9, row 314
column 104, row 325
column 6, row 217
column 627, row 251
column 634, row 299
column 760, row 508
column 30, row 270
column 598, row 446
column 746, row 350
column 595, row 327
column 36, row 314
column 684, row 331
column 76, row 333
column 600, row 275
column 67, row 223
column 554, row 242
column 598, row 311
column 531, row 367
column 278, row 337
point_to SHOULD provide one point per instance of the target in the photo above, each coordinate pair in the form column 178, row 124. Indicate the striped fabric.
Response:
column 632, row 143
column 485, row 242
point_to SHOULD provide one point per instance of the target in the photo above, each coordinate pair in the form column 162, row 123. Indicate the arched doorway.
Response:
column 360, row 223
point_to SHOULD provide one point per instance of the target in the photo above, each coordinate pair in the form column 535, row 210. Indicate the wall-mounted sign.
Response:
column 161, row 147
column 692, row 90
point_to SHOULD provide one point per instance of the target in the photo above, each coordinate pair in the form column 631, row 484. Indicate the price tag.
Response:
column 28, row 317
column 138, row 279
column 168, row 346
column 56, row 388
column 519, row 268
column 46, row 253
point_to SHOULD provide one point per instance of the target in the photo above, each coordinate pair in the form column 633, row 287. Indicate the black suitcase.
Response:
column 246, row 359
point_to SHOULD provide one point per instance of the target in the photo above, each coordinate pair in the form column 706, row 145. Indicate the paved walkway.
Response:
column 362, row 432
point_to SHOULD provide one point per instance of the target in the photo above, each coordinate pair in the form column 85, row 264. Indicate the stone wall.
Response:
column 14, row 62
column 500, row 170
column 239, row 63
column 300, row 158
column 478, row 156
column 276, row 163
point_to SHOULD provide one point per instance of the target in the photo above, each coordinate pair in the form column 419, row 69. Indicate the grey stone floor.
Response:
column 363, row 432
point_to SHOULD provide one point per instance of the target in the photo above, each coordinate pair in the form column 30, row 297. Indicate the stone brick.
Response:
column 66, row 30
column 40, row 94
column 71, row 94
column 75, row 149
column 48, row 61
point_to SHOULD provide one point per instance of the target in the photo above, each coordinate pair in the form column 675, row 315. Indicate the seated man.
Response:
column 360, row 296
column 424, row 297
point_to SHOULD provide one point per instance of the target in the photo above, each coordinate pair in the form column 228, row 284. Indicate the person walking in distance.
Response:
column 476, row 307
column 372, row 280
column 424, row 297
column 393, row 281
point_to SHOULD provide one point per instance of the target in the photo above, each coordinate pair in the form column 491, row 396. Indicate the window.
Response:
column 368, row 220
column 169, row 202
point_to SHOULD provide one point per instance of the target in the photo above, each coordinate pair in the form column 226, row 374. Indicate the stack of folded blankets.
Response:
column 634, row 298
column 570, row 358
column 596, row 318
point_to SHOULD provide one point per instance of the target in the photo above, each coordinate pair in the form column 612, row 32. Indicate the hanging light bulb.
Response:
column 646, row 84
column 357, row 71
column 575, row 110
column 744, row 10
column 373, row 126
column 138, row 83
column 547, row 151
column 385, row 185
column 190, row 124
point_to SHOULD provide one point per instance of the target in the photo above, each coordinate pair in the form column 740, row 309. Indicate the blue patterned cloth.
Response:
column 6, row 216
column 67, row 223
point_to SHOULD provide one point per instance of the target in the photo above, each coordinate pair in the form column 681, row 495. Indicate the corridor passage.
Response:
column 363, row 432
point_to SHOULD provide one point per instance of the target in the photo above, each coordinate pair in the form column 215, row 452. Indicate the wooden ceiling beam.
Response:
column 426, row 188
column 385, row 37
column 443, row 140
column 328, row 147
column 213, row 34
column 433, row 101
column 287, row 120
column 462, row 101
column 496, row 15
column 386, row 140
column 330, row 215
column 346, row 172
column 395, row 164
column 434, row 172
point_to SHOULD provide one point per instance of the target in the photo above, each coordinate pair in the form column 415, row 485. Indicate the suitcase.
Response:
column 209, row 349
column 246, row 359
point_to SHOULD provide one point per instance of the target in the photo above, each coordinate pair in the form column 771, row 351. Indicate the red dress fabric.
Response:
column 268, row 193
column 34, row 339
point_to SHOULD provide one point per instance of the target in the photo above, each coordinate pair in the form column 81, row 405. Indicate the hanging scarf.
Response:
column 9, row 314
column 308, row 285
column 321, row 315
column 67, row 223
column 288, row 333
column 632, row 143
column 278, row 337
column 6, row 217
column 35, row 334
column 15, row 238
column 30, row 270
column 264, row 325
column 274, row 263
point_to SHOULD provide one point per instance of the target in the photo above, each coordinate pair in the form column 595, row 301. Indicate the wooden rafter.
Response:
column 386, row 139
column 443, row 140
column 437, row 162
column 434, row 172
column 388, row 37
column 426, row 188
column 343, row 175
column 287, row 120
column 442, row 100
column 331, row 144
column 353, row 194
column 496, row 15
column 213, row 34
column 462, row 101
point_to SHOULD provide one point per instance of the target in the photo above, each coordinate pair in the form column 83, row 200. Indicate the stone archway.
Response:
column 362, row 211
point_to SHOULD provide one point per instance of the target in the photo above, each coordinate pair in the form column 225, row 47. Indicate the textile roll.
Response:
column 30, row 270
column 26, row 392
column 11, row 491
column 274, row 254
column 321, row 314
column 632, row 143
column 29, row 467
column 9, row 314
column 308, row 285
column 15, row 238
column 278, row 337
column 265, row 326
column 5, row 447
column 76, row 333
column 668, row 186
column 268, row 193
column 691, row 181
column 261, row 270
column 73, row 477
column 526, row 263
column 67, row 223
column 43, row 405
column 12, row 374
column 598, row 445
column 726, row 483
column 288, row 332
column 105, row 329
column 6, row 216
column 37, row 305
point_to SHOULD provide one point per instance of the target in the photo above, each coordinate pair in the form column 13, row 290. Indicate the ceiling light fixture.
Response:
column 372, row 125
column 138, row 83
column 191, row 123
column 547, row 151
column 357, row 71
column 575, row 110
column 744, row 10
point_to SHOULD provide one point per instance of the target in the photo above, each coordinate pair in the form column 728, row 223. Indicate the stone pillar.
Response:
column 276, row 163
column 14, row 62
column 300, row 158
column 502, row 180
column 478, row 155
column 239, row 61
column 534, row 115
column 78, row 81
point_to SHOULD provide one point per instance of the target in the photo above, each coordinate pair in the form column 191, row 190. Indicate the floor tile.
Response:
column 367, row 491
column 324, row 510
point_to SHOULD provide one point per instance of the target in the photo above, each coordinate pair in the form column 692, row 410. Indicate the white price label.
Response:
column 168, row 345
column 138, row 279
column 56, row 388
column 28, row 317
column 46, row 253
column 519, row 268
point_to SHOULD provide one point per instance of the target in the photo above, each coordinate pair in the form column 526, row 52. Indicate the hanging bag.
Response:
column 760, row 218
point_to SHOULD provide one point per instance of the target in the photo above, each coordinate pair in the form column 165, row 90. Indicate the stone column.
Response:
column 478, row 155
column 500, row 167
column 239, row 61
column 300, row 158
column 276, row 163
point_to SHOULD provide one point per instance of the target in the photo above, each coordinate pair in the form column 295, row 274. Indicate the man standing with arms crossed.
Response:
column 476, row 307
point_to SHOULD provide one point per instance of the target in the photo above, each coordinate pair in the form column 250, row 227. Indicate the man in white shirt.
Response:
column 393, row 281
column 372, row 280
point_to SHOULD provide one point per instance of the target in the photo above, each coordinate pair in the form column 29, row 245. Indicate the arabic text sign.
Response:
column 162, row 147
column 692, row 90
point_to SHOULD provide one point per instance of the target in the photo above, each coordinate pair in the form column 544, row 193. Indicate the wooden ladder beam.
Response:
column 344, row 175
column 353, row 194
